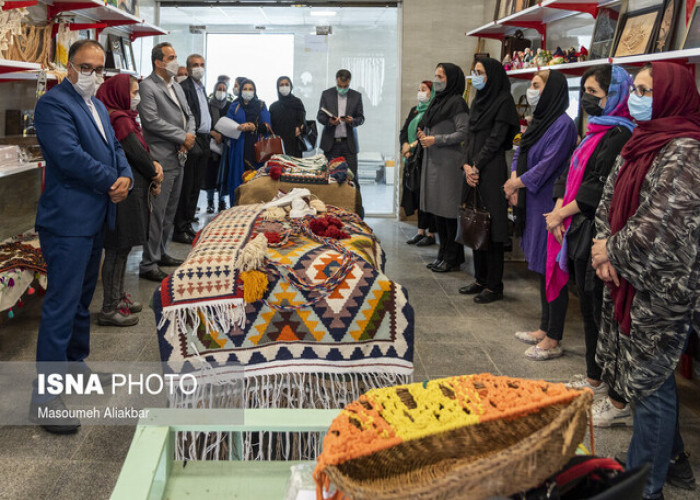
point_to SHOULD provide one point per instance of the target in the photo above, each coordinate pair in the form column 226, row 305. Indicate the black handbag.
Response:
column 579, row 237
column 309, row 136
column 474, row 224
column 412, row 170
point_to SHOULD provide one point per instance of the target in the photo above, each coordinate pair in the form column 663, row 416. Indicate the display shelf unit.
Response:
column 687, row 56
column 19, row 4
column 8, row 171
column 104, row 16
column 538, row 17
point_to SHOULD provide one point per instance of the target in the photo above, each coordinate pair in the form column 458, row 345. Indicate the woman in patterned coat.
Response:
column 647, row 251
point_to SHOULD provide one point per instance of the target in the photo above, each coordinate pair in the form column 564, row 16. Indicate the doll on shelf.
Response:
column 571, row 56
column 557, row 57
column 582, row 54
column 527, row 58
column 517, row 59
column 507, row 63
column 540, row 58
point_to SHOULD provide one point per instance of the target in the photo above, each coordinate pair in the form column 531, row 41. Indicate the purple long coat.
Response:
column 546, row 161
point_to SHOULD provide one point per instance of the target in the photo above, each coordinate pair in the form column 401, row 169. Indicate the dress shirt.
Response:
column 341, row 129
column 205, row 117
column 96, row 117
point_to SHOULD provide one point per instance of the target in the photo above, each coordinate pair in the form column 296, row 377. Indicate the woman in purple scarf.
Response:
column 578, row 192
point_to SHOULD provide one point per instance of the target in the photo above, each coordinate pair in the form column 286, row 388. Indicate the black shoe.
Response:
column 427, row 241
column 186, row 238
column 222, row 206
column 156, row 275
column 472, row 289
column 168, row 261
column 415, row 239
column 192, row 232
column 680, row 474
column 487, row 296
column 210, row 208
column 434, row 263
column 56, row 425
column 444, row 267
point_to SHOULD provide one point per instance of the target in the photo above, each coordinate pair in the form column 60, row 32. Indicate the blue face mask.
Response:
column 640, row 107
column 342, row 91
column 478, row 82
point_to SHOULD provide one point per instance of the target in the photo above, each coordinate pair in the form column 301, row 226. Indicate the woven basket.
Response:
column 504, row 458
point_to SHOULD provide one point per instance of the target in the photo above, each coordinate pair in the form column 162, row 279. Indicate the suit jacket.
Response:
column 190, row 90
column 162, row 120
column 81, row 165
column 329, row 100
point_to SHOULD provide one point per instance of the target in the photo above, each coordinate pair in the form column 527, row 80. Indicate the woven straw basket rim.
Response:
column 516, row 468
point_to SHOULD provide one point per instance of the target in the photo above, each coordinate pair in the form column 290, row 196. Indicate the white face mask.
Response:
column 533, row 97
column 135, row 102
column 198, row 74
column 247, row 95
column 172, row 67
column 86, row 86
column 285, row 90
column 423, row 96
column 220, row 95
column 180, row 79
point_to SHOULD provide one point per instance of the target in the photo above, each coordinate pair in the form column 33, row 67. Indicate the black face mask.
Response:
column 591, row 105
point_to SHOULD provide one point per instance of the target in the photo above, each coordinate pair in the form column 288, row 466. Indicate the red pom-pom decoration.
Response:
column 275, row 172
column 272, row 237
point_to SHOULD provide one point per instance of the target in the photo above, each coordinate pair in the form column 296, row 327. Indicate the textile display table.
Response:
column 326, row 323
column 20, row 264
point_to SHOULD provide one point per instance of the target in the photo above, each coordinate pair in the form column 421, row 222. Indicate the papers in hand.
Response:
column 215, row 147
column 227, row 127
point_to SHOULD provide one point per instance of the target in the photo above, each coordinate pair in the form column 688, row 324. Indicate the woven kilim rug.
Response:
column 346, row 333
column 22, row 252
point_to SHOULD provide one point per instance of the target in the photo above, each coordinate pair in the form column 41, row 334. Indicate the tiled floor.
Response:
column 453, row 336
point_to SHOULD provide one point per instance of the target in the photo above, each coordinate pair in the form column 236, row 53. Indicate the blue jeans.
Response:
column 656, row 437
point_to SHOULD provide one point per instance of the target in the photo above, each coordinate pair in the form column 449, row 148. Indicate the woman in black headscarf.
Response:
column 218, row 107
column 544, row 152
column 288, row 115
column 493, row 123
column 442, row 133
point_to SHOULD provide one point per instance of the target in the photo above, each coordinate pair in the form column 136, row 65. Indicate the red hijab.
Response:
column 115, row 94
column 675, row 113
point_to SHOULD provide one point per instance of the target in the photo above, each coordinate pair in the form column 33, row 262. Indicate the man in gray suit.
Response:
column 340, row 111
column 169, row 129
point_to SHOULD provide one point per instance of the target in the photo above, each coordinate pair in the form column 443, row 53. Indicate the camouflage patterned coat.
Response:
column 658, row 252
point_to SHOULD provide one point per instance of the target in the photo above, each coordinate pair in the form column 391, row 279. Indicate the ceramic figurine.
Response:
column 507, row 63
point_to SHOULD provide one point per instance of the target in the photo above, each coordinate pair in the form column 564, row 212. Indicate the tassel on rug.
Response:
column 254, row 285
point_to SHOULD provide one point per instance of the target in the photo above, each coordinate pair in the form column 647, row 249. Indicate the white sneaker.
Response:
column 580, row 382
column 606, row 415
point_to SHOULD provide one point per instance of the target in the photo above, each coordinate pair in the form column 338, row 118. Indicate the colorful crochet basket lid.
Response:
column 470, row 436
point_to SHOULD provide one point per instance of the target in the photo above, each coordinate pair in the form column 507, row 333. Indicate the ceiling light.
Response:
column 323, row 13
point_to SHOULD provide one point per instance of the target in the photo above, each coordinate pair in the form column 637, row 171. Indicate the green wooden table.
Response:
column 150, row 471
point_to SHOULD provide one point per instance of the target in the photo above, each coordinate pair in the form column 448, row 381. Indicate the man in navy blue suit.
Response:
column 86, row 175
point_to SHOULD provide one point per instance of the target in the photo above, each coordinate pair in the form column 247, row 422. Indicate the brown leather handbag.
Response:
column 266, row 147
column 474, row 223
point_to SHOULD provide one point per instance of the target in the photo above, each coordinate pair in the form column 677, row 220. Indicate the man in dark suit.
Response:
column 197, row 159
column 169, row 130
column 340, row 112
column 86, row 175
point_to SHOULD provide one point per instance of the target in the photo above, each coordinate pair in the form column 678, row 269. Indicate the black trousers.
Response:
column 488, row 267
column 341, row 148
column 193, row 177
column 553, row 313
column 426, row 221
column 450, row 251
column 113, row 270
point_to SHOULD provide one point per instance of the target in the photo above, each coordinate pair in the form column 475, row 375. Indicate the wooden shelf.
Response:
column 688, row 56
column 8, row 171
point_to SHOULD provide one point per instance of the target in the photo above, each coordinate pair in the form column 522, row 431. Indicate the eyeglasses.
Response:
column 640, row 92
column 87, row 70
column 477, row 73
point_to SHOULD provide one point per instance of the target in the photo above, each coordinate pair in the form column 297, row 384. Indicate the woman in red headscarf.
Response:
column 120, row 95
column 647, row 250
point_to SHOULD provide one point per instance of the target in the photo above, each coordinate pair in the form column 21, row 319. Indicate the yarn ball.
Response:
column 275, row 214
column 275, row 172
column 318, row 205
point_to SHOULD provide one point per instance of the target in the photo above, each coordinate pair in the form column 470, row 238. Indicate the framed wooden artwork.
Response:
column 637, row 32
column 667, row 27
column 692, row 35
column 519, row 5
column 115, row 54
column 128, row 52
column 604, row 31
